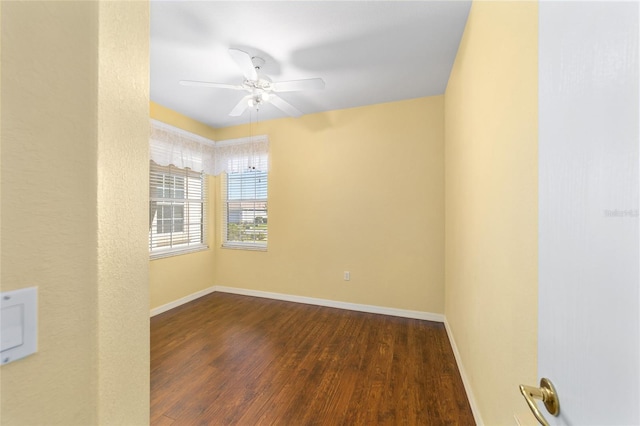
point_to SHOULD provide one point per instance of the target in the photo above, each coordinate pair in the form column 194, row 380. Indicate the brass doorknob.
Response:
column 547, row 394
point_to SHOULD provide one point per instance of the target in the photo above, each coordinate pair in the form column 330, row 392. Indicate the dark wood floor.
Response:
column 229, row 359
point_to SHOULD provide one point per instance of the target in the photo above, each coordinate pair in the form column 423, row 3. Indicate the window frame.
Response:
column 163, row 194
column 256, row 245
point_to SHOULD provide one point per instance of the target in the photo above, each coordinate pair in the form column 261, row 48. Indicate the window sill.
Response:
column 240, row 246
column 177, row 252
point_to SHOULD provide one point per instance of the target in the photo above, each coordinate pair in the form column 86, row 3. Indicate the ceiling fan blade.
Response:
column 284, row 106
column 295, row 85
column 211, row 84
column 240, row 107
column 243, row 59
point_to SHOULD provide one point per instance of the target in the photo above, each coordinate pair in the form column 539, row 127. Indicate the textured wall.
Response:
column 0, row 184
column 74, row 110
column 360, row 190
column 123, row 220
column 491, row 205
column 49, row 151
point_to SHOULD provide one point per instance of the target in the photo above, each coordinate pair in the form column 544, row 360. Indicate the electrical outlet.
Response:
column 347, row 275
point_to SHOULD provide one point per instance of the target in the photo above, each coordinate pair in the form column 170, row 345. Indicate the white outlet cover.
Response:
column 18, row 324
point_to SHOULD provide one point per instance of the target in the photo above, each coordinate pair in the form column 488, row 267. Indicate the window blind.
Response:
column 245, row 213
column 177, row 210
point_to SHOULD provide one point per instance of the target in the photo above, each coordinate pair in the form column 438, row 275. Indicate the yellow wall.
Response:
column 0, row 186
column 173, row 278
column 173, row 118
column 491, row 205
column 359, row 190
column 123, row 181
column 73, row 112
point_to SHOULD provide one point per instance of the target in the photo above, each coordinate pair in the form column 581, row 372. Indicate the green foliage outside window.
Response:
column 246, row 232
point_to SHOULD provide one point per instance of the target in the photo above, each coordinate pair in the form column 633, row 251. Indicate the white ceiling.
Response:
column 367, row 52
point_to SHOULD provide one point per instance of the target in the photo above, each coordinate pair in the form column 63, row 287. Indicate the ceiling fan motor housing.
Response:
column 263, row 83
column 258, row 62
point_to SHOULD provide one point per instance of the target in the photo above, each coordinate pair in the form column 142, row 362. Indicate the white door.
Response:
column 589, row 257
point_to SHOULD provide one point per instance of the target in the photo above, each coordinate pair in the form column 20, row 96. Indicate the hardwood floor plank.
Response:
column 236, row 360
column 164, row 421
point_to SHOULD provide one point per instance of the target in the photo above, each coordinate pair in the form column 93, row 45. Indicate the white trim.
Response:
column 404, row 313
column 181, row 301
column 334, row 304
column 244, row 246
column 164, row 253
column 463, row 375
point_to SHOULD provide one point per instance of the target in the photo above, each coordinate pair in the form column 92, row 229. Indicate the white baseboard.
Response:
column 463, row 374
column 182, row 301
column 405, row 313
column 334, row 304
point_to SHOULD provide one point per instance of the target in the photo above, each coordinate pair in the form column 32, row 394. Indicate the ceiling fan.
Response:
column 260, row 87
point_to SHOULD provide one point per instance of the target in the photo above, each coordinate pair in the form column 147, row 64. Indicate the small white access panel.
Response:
column 18, row 324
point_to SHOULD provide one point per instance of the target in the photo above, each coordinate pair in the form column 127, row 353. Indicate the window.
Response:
column 177, row 193
column 244, row 217
column 177, row 210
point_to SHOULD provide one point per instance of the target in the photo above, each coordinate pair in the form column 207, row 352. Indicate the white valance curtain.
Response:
column 238, row 155
column 172, row 146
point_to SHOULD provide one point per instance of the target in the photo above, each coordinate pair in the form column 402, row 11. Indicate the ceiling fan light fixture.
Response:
column 260, row 87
